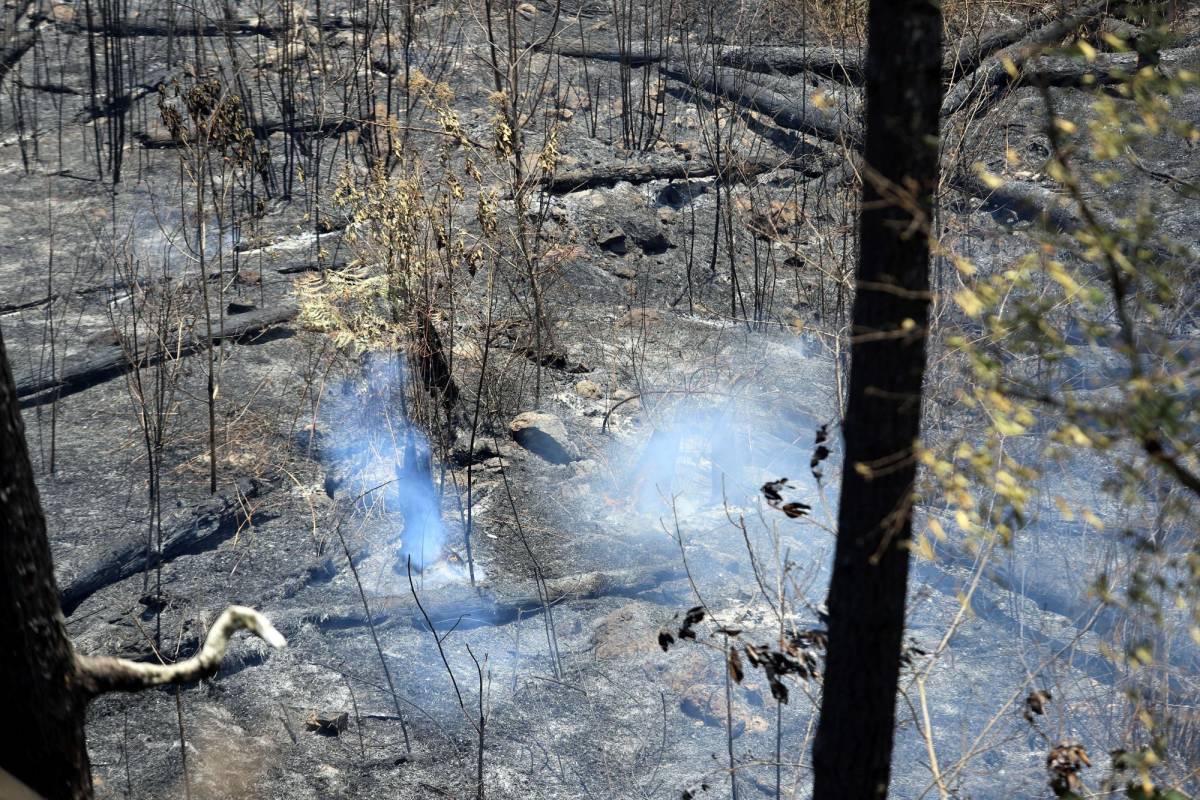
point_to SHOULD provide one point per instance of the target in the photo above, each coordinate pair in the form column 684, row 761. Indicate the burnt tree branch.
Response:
column 985, row 84
column 825, row 123
column 673, row 169
column 214, row 522
column 113, row 360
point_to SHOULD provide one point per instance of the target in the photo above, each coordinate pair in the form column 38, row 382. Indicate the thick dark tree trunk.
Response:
column 42, row 738
column 853, row 748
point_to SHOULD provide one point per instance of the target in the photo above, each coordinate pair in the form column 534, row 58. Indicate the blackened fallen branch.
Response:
column 970, row 51
column 605, row 53
column 637, row 172
column 20, row 44
column 986, row 83
column 1103, row 70
column 214, row 522
column 237, row 27
column 825, row 123
column 1028, row 202
column 311, row 128
column 112, row 361
column 843, row 64
column 462, row 607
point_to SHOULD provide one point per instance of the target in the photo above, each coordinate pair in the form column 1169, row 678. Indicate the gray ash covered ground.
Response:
column 660, row 398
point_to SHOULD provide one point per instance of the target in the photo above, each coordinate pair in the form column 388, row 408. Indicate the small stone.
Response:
column 641, row 317
column 624, row 271
column 623, row 633
column 327, row 723
column 61, row 12
column 468, row 350
column 582, row 469
column 105, row 338
column 613, row 241
column 625, row 211
column 588, row 389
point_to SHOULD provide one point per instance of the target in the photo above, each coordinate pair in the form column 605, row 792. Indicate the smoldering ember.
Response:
column 571, row 399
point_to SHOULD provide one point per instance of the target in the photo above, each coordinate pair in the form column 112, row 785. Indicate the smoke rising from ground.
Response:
column 381, row 457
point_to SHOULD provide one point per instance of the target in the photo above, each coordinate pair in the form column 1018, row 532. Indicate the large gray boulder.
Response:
column 622, row 220
column 544, row 435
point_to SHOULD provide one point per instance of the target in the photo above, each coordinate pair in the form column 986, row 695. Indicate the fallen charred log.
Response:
column 312, row 266
column 606, row 53
column 214, row 522
column 113, row 360
column 18, row 46
column 1054, row 212
column 970, row 51
column 656, row 169
column 308, row 127
column 1103, row 70
column 462, row 607
column 1027, row 202
column 984, row 85
column 842, row 64
column 234, row 27
column 112, row 288
column 847, row 65
column 825, row 123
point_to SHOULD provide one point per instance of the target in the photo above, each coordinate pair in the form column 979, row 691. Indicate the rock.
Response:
column 240, row 306
column 584, row 468
column 588, row 389
column 624, row 271
column 544, row 435
column 625, row 211
column 688, row 147
column 105, row 338
column 678, row 195
column 613, row 241
column 468, row 350
column 698, row 681
column 625, row 632
column 638, row 318
column 327, row 723
column 61, row 12
column 249, row 277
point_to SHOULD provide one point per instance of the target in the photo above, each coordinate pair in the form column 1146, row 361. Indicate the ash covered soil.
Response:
column 635, row 497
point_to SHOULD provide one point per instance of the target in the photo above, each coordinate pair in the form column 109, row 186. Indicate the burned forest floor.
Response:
column 477, row 524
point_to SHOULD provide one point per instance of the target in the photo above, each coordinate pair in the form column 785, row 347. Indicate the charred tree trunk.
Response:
column 853, row 747
column 45, row 687
column 42, row 739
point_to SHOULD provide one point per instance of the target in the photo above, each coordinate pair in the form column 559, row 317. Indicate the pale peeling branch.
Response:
column 101, row 674
column 12, row 789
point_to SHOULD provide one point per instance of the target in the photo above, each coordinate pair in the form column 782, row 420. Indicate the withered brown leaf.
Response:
column 1035, row 704
column 735, row 665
